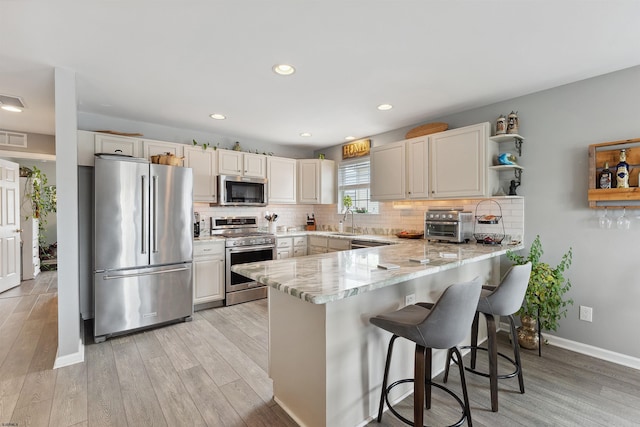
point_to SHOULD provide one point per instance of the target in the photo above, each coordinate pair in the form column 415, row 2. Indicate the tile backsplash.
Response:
column 393, row 217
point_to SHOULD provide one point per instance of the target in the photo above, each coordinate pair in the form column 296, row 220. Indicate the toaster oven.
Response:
column 449, row 225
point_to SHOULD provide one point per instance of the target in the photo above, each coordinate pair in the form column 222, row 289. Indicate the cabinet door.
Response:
column 105, row 143
column 283, row 253
column 299, row 251
column 417, row 167
column 388, row 172
column 205, row 168
column 153, row 148
column 309, row 181
column 335, row 245
column 229, row 162
column 208, row 280
column 281, row 176
column 458, row 162
column 255, row 165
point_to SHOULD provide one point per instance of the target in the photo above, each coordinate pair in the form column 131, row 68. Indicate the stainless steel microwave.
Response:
column 241, row 191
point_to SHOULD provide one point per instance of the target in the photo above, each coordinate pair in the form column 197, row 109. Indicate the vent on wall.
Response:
column 13, row 139
column 11, row 103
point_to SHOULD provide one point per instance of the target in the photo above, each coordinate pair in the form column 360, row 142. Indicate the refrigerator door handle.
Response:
column 154, row 216
column 124, row 276
column 144, row 215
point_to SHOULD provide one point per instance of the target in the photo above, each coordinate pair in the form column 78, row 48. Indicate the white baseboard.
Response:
column 589, row 350
column 70, row 359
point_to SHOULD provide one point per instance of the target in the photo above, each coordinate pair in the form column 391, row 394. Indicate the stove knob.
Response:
column 450, row 216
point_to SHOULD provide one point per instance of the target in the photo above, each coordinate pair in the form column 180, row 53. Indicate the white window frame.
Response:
column 371, row 206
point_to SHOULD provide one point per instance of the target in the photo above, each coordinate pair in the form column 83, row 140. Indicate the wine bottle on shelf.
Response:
column 622, row 171
column 604, row 179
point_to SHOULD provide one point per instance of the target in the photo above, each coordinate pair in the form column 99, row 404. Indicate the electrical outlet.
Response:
column 586, row 313
column 410, row 299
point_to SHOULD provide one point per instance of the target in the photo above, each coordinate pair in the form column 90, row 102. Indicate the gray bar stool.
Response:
column 442, row 325
column 502, row 300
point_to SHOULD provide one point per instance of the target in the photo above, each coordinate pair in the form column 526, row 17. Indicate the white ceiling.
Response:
column 175, row 62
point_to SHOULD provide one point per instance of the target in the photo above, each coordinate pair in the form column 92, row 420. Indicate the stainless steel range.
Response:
column 244, row 243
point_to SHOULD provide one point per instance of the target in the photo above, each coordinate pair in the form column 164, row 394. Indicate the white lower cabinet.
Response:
column 336, row 245
column 299, row 246
column 208, row 271
column 317, row 245
column 284, row 247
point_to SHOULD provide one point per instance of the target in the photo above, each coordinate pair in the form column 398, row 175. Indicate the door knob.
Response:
column 19, row 230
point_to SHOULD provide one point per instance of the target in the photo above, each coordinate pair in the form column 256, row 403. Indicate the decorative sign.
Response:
column 356, row 149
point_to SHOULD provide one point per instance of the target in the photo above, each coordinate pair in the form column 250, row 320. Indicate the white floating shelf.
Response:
column 506, row 167
column 506, row 137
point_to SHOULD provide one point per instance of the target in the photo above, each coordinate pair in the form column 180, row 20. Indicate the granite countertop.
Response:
column 323, row 278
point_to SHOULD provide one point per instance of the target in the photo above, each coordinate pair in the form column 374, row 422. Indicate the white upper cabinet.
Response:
column 417, row 162
column 154, row 148
column 105, row 143
column 243, row 164
column 459, row 163
column 388, row 171
column 205, row 172
column 316, row 181
column 281, row 179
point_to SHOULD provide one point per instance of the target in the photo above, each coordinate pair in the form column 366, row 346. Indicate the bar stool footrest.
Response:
column 484, row 374
column 441, row 387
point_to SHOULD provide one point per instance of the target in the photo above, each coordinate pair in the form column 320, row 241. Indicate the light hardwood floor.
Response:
column 212, row 372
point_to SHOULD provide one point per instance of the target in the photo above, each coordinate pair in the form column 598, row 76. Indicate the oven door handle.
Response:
column 442, row 222
column 249, row 248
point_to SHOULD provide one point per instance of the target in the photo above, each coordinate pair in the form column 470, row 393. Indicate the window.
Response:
column 353, row 181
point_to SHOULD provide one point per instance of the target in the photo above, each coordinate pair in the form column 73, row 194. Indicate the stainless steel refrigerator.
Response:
column 143, row 244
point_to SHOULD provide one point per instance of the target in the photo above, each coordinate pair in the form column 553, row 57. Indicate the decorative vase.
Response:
column 501, row 125
column 512, row 122
column 527, row 334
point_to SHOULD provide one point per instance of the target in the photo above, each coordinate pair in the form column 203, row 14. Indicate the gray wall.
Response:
column 36, row 143
column 558, row 125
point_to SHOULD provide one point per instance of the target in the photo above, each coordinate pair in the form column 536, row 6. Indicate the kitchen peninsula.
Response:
column 325, row 359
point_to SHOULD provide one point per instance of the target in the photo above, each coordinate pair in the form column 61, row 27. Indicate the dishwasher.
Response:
column 359, row 244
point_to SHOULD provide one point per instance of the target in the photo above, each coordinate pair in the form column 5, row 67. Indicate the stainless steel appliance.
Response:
column 241, row 191
column 143, row 244
column 448, row 224
column 244, row 243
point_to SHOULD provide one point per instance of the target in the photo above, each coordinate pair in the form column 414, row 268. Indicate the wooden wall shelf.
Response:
column 610, row 152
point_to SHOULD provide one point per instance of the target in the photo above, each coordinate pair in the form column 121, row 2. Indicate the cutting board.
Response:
column 427, row 129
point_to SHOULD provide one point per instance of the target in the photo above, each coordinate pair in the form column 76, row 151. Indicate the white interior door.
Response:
column 9, row 225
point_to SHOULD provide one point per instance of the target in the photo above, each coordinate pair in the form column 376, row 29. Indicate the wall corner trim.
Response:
column 70, row 359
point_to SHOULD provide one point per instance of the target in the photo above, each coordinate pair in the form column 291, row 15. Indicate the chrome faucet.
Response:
column 344, row 219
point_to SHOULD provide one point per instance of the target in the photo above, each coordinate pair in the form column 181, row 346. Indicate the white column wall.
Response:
column 70, row 348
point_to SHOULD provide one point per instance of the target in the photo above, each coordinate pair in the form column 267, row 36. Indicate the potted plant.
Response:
column 544, row 299
column 43, row 200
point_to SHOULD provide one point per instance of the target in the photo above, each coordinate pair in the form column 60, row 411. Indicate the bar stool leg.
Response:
column 427, row 378
column 516, row 352
column 418, row 386
column 463, row 382
column 446, row 366
column 385, row 377
column 493, row 360
column 474, row 339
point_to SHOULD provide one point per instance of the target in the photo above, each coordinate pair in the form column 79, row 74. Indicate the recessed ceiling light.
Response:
column 218, row 116
column 305, row 134
column 350, row 138
column 284, row 69
column 11, row 103
column 385, row 107
column 11, row 108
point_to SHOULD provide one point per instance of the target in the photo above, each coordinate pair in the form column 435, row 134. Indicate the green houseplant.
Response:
column 544, row 298
column 43, row 200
